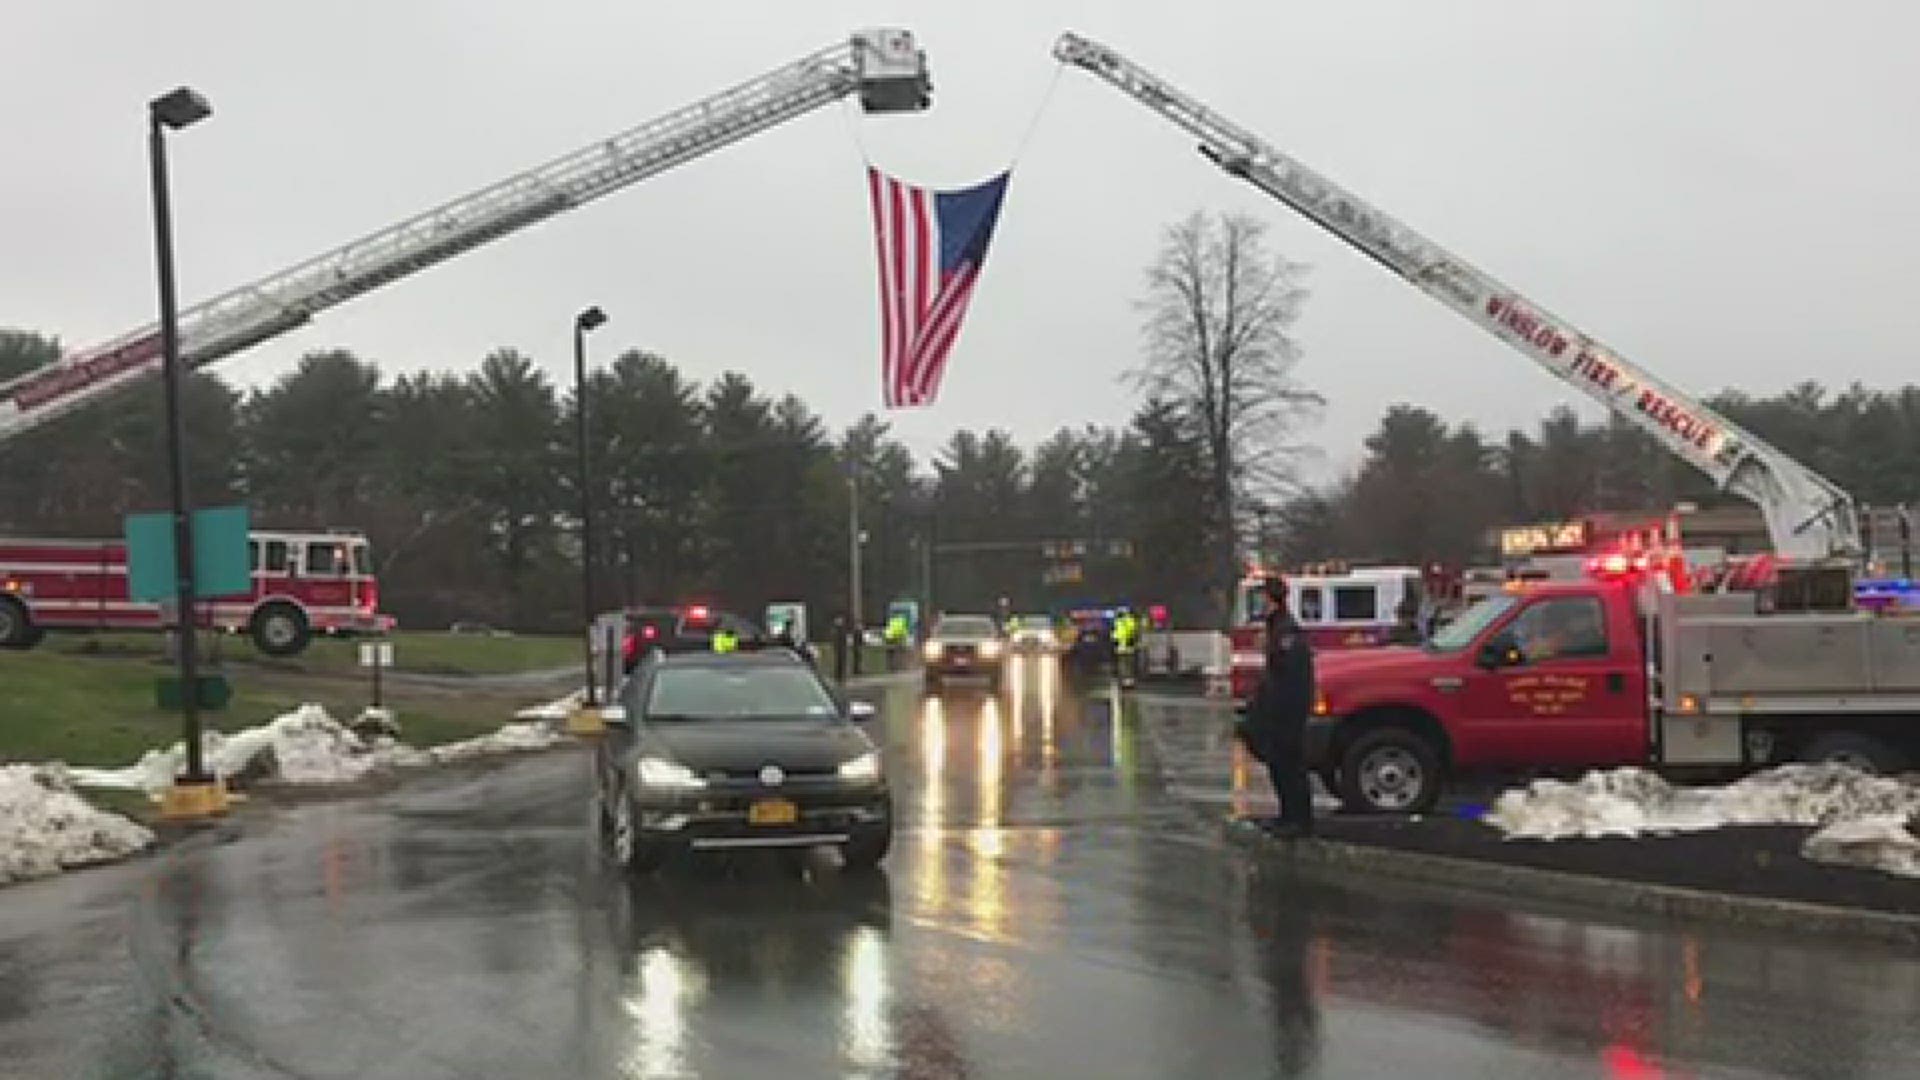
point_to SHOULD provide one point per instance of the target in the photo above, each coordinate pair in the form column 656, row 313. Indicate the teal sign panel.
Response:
column 222, row 564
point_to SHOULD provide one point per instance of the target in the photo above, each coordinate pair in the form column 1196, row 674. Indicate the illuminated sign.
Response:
column 1536, row 539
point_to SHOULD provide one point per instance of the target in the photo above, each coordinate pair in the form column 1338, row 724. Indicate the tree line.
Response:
column 468, row 489
column 1429, row 490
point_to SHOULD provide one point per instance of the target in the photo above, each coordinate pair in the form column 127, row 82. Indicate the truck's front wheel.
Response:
column 1390, row 770
column 280, row 630
column 16, row 626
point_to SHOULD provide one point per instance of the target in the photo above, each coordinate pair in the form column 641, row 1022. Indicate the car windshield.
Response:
column 745, row 692
column 966, row 626
column 1460, row 633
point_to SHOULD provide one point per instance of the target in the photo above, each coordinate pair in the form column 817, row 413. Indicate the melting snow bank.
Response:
column 46, row 828
column 554, row 711
column 307, row 746
column 1875, row 843
column 1630, row 802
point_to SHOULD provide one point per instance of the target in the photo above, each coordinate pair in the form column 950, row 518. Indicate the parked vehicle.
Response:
column 724, row 751
column 1338, row 608
column 304, row 583
column 1621, row 668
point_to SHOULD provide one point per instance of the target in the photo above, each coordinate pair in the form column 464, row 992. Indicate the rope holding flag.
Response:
column 931, row 246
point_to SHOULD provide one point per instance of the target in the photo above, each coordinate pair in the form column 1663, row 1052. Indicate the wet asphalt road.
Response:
column 1048, row 911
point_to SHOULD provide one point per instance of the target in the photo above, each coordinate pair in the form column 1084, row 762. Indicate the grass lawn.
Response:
column 100, row 710
column 424, row 652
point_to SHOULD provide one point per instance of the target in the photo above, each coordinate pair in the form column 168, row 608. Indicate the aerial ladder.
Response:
column 1807, row 516
column 883, row 66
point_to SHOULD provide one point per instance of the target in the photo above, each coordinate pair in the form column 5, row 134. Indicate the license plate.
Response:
column 773, row 812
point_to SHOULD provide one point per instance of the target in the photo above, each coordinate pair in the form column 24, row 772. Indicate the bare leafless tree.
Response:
column 1219, row 310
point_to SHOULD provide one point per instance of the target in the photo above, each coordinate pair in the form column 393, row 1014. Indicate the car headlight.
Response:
column 661, row 773
column 989, row 648
column 933, row 650
column 864, row 768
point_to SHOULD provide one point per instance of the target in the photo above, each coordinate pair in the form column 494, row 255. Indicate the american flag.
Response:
column 931, row 245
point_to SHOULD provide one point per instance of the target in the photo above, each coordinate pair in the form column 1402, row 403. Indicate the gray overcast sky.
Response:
column 1725, row 191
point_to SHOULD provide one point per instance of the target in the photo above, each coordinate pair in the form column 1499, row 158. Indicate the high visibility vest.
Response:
column 896, row 630
column 725, row 641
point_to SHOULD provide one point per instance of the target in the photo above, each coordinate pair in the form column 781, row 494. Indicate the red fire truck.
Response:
column 303, row 583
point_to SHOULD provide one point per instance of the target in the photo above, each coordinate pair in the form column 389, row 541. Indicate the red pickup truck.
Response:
column 1577, row 675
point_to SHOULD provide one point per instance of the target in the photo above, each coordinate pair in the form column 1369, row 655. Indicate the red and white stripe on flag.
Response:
column 930, row 246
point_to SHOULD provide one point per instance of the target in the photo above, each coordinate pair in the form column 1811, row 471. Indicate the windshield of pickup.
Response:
column 1460, row 633
column 966, row 628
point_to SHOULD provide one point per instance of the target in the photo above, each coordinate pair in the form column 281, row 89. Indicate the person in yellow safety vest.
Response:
column 1126, row 631
column 895, row 635
column 725, row 640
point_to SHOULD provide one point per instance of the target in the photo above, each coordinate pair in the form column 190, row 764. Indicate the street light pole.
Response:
column 853, row 546
column 590, row 319
column 177, row 109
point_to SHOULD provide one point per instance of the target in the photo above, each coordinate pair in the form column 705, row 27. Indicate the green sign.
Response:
column 215, row 692
column 222, row 565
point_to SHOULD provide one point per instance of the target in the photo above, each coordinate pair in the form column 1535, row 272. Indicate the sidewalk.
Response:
column 1753, row 874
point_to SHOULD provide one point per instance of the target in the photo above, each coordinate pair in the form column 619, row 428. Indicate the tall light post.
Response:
column 174, row 110
column 590, row 319
column 853, row 549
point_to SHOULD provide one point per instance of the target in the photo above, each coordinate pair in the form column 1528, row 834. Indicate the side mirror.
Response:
column 1500, row 651
column 614, row 715
column 861, row 711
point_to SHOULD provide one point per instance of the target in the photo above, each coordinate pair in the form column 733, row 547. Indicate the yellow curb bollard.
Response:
column 586, row 722
column 195, row 801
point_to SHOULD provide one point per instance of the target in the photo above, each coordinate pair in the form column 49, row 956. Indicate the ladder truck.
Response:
column 1807, row 516
column 884, row 67
column 1630, row 666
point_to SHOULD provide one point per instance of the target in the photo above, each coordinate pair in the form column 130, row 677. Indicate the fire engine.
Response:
column 303, row 583
column 1727, row 678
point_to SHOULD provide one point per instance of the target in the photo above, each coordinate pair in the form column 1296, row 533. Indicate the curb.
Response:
column 1611, row 894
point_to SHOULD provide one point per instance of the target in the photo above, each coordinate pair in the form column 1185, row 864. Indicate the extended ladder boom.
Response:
column 883, row 66
column 1806, row 514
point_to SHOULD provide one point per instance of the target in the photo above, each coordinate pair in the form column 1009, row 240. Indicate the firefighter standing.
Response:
column 725, row 640
column 1276, row 722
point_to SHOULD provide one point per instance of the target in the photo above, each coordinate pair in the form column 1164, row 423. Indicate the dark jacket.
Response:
column 1284, row 699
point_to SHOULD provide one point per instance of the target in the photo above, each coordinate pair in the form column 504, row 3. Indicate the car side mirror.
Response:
column 1500, row 651
column 614, row 715
column 861, row 711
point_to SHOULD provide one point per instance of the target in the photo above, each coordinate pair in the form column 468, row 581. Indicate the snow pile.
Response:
column 1630, row 802
column 307, row 746
column 553, row 711
column 1884, row 843
column 45, row 828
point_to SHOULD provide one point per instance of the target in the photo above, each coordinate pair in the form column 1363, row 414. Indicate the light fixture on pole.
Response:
column 172, row 111
column 590, row 319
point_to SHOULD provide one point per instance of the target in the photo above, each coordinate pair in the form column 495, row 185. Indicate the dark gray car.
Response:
column 715, row 752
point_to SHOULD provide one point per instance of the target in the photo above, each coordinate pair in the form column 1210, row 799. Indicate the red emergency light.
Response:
column 698, row 613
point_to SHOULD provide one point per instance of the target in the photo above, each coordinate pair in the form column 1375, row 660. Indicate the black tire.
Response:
column 866, row 850
column 1863, row 752
column 16, row 626
column 1390, row 770
column 280, row 629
